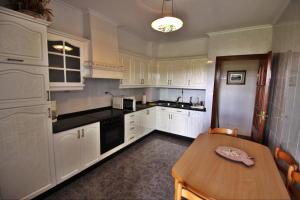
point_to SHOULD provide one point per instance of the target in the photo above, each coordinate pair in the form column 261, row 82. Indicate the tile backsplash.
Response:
column 93, row 95
column 168, row 94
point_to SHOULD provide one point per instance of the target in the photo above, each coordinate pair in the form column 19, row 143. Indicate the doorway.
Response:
column 241, row 94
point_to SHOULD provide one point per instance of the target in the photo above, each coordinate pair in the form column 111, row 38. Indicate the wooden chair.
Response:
column 293, row 181
column 226, row 131
column 181, row 191
column 283, row 161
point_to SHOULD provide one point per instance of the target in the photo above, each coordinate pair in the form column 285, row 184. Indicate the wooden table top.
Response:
column 207, row 174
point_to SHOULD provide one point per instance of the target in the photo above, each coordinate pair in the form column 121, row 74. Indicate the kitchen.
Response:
column 88, row 93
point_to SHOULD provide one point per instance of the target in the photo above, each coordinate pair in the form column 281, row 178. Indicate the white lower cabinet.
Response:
column 75, row 150
column 195, row 124
column 26, row 152
column 139, row 124
column 182, row 122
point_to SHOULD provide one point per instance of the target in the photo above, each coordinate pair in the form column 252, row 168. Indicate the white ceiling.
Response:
column 199, row 16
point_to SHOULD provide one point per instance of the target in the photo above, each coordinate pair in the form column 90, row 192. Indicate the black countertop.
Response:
column 74, row 120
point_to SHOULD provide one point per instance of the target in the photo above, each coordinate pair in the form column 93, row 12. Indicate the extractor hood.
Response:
column 104, row 59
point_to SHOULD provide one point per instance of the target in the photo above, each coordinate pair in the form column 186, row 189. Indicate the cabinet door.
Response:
column 151, row 119
column 179, row 72
column 198, row 73
column 179, row 124
column 67, row 154
column 26, row 152
column 137, row 71
column 163, row 76
column 162, row 119
column 195, row 123
column 90, row 144
column 130, row 127
column 125, row 60
column 22, row 85
column 22, row 41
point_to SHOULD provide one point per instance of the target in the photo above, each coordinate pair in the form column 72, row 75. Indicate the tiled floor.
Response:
column 143, row 171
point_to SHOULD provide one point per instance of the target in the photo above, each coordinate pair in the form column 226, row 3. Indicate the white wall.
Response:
column 131, row 42
column 169, row 94
column 67, row 18
column 234, row 42
column 192, row 47
column 236, row 102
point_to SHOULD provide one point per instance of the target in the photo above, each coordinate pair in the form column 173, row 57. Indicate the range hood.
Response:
column 104, row 59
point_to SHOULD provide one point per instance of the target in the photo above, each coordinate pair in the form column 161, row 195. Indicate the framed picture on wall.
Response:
column 236, row 77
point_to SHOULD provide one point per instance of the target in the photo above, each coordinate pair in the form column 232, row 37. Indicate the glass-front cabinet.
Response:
column 66, row 55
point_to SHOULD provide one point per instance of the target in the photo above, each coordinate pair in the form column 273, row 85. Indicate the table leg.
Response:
column 178, row 190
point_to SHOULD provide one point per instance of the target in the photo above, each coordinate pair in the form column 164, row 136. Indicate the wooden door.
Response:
column 261, row 99
column 90, row 144
column 67, row 154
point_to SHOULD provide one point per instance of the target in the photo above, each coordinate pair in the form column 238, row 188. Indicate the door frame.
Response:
column 218, row 65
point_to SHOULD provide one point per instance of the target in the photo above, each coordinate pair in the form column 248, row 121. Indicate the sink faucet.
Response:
column 191, row 100
column 177, row 100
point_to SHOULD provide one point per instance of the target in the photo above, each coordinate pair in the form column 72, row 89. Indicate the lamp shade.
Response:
column 167, row 24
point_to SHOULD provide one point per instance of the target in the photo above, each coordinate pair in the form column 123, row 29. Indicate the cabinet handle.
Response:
column 78, row 134
column 132, row 128
column 178, row 111
column 148, row 112
column 131, row 138
column 14, row 60
column 82, row 133
column 170, row 82
column 171, row 116
column 189, row 114
column 121, row 81
column 131, row 122
column 189, row 82
column 131, row 115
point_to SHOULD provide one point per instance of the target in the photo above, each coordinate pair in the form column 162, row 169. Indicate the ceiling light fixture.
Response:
column 167, row 24
column 60, row 47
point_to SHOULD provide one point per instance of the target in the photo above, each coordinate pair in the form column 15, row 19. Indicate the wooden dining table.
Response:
column 209, row 176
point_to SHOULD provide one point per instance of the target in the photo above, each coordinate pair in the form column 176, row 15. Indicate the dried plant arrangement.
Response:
column 35, row 8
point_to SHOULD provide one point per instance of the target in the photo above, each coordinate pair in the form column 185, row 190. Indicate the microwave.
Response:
column 126, row 103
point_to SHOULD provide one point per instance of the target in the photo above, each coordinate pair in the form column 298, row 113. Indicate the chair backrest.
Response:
column 293, row 181
column 226, row 131
column 283, row 160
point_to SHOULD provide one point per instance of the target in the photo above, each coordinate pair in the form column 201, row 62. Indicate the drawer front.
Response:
column 178, row 111
column 22, row 41
column 22, row 85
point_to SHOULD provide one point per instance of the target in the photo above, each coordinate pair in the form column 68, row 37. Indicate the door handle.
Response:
column 82, row 133
column 14, row 60
column 78, row 134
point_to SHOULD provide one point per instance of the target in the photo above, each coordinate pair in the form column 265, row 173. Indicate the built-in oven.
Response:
column 111, row 133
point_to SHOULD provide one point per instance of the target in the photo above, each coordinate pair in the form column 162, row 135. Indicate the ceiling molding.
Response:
column 280, row 13
column 101, row 16
column 250, row 28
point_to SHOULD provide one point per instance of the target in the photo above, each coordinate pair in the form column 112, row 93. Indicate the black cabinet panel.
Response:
column 56, row 75
column 73, row 76
column 71, row 50
column 55, row 46
column 56, row 61
column 72, row 63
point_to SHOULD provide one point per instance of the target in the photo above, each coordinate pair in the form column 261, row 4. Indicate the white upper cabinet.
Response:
column 26, row 152
column 179, row 71
column 188, row 72
column 23, row 85
column 17, row 32
column 197, row 74
column 67, row 55
column 163, row 72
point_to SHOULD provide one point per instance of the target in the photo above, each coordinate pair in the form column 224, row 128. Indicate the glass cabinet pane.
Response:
column 73, row 76
column 56, row 61
column 55, row 46
column 72, row 63
column 56, row 75
column 71, row 49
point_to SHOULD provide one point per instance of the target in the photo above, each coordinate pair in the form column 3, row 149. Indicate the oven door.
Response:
column 111, row 133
